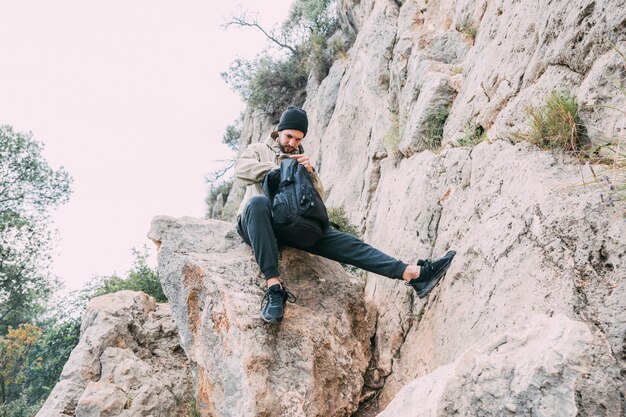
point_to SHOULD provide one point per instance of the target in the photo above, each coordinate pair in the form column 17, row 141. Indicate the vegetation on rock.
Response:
column 556, row 125
column 338, row 216
column 473, row 134
column 433, row 127
column 272, row 82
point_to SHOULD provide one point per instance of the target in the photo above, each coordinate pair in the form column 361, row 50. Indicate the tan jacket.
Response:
column 256, row 161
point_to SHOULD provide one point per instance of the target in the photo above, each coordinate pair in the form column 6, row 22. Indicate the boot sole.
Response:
column 272, row 321
column 438, row 278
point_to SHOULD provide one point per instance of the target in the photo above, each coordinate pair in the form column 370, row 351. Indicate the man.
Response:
column 254, row 222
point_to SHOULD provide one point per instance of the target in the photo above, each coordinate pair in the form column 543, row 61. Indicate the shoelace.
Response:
column 273, row 296
column 426, row 264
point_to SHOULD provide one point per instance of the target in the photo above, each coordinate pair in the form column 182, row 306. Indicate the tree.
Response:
column 47, row 357
column 141, row 277
column 232, row 135
column 29, row 189
column 14, row 352
column 271, row 82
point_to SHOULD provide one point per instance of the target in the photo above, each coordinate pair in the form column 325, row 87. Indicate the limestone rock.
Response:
column 101, row 399
column 529, row 239
column 423, row 128
column 218, row 207
column 533, row 371
column 312, row 364
column 128, row 362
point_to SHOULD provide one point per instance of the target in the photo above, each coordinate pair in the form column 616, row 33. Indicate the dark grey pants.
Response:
column 255, row 228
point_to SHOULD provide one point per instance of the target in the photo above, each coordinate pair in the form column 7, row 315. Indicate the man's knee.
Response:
column 259, row 204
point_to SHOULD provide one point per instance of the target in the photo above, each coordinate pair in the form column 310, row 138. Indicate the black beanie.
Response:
column 293, row 118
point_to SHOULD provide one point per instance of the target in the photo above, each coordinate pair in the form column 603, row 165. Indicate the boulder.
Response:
column 529, row 372
column 312, row 364
column 128, row 362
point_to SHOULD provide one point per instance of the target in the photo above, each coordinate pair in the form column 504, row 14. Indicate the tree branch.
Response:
column 242, row 22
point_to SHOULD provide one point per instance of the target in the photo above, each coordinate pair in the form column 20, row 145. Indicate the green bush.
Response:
column 433, row 127
column 20, row 407
column 140, row 278
column 232, row 135
column 338, row 216
column 556, row 125
column 48, row 356
column 468, row 28
column 473, row 134
column 271, row 83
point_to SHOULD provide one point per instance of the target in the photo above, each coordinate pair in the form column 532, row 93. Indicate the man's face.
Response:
column 289, row 140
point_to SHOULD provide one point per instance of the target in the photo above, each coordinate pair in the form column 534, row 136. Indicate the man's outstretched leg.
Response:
column 255, row 228
column 345, row 248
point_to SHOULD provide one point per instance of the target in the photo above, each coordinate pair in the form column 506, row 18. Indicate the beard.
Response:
column 287, row 148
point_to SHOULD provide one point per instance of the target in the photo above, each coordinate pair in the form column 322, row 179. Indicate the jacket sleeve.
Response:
column 249, row 168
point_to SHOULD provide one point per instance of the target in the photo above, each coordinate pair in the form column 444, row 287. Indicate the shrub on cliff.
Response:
column 339, row 217
column 556, row 125
column 141, row 277
column 272, row 82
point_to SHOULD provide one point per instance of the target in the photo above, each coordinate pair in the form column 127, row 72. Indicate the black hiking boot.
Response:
column 273, row 303
column 430, row 274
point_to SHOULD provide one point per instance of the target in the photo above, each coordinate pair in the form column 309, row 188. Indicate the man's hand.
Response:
column 303, row 160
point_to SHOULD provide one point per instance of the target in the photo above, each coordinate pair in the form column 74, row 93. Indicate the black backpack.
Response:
column 299, row 215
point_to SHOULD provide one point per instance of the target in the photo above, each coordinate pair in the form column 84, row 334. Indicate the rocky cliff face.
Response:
column 532, row 241
column 128, row 363
column 531, row 317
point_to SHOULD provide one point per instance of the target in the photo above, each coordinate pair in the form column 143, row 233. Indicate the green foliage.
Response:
column 48, row 356
column 15, row 347
column 141, row 277
column 29, row 189
column 233, row 134
column 433, row 127
column 318, row 22
column 28, row 185
column 338, row 46
column 271, row 83
column 469, row 29
column 473, row 134
column 556, row 125
column 338, row 216
column 20, row 407
column 320, row 55
column 311, row 16
column 25, row 283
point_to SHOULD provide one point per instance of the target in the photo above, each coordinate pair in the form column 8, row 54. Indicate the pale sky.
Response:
column 127, row 96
